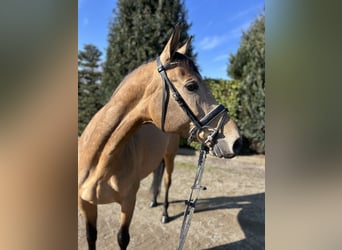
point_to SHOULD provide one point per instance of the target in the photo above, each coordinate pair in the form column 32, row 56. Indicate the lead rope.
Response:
column 191, row 202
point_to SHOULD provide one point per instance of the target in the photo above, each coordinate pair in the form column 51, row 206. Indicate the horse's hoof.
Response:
column 165, row 219
column 153, row 204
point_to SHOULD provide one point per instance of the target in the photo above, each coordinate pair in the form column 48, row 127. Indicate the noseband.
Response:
column 199, row 125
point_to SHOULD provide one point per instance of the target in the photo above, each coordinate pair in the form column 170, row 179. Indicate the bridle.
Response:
column 199, row 125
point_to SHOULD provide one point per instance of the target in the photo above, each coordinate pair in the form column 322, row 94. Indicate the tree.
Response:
column 139, row 32
column 248, row 67
column 89, row 80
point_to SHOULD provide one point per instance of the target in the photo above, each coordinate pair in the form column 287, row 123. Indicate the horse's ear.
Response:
column 185, row 47
column 171, row 46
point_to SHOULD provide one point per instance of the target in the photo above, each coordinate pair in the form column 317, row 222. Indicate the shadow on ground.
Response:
column 186, row 151
column 251, row 218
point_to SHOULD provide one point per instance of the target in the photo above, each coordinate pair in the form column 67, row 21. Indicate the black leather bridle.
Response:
column 199, row 125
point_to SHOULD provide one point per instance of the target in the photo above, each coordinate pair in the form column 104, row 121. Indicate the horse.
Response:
column 143, row 97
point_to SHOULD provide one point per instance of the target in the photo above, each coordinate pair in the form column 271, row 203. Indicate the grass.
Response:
column 192, row 166
column 186, row 165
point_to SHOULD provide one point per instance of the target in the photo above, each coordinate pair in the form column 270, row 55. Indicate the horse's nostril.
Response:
column 237, row 146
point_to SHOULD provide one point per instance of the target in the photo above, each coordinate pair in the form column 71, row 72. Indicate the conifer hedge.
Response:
column 247, row 67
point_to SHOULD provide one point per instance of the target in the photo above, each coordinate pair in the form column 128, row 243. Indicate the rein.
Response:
column 199, row 125
column 191, row 202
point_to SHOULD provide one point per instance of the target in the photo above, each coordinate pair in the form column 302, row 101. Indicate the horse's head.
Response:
column 183, row 104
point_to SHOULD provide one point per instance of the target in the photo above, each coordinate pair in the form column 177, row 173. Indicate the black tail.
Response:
column 157, row 180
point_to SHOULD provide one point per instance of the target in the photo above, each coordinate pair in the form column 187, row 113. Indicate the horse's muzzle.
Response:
column 222, row 149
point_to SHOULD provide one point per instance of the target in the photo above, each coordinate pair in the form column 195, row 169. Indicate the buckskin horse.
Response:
column 105, row 173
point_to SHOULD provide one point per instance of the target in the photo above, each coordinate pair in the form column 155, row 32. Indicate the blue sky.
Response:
column 216, row 27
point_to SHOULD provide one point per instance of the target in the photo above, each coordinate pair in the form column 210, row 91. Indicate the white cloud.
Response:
column 237, row 32
column 245, row 18
column 241, row 14
column 210, row 42
column 245, row 12
column 222, row 57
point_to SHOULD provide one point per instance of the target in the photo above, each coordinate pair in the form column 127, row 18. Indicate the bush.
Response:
column 226, row 92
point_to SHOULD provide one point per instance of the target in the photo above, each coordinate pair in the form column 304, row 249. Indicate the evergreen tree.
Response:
column 89, row 80
column 248, row 67
column 139, row 32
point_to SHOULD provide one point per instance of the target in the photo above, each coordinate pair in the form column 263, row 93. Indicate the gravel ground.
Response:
column 230, row 214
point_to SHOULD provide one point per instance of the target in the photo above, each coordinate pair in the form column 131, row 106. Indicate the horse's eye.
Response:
column 191, row 86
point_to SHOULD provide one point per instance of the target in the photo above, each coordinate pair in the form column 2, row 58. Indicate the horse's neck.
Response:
column 110, row 129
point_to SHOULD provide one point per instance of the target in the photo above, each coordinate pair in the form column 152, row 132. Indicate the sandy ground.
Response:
column 228, row 215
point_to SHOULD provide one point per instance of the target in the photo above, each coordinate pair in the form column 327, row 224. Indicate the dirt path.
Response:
column 229, row 214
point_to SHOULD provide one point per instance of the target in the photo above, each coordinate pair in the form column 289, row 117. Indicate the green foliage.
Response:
column 226, row 92
column 89, row 79
column 139, row 32
column 247, row 67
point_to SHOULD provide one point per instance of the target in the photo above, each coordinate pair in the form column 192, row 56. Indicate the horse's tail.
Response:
column 157, row 179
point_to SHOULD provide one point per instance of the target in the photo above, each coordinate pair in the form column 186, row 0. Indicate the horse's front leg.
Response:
column 89, row 212
column 169, row 163
column 127, row 209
